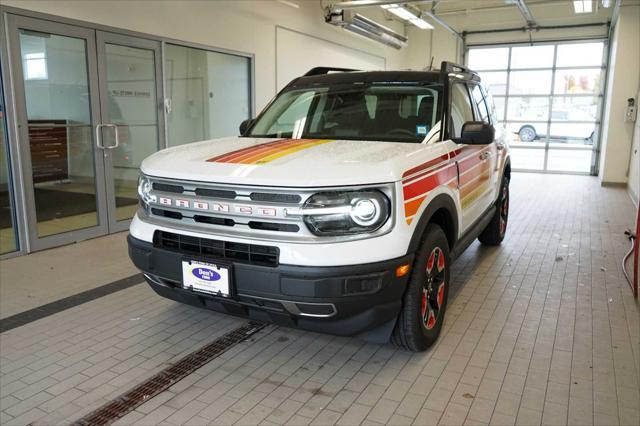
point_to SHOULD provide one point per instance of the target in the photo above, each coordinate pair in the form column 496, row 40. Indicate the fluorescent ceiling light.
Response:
column 289, row 3
column 366, row 27
column 407, row 15
column 583, row 6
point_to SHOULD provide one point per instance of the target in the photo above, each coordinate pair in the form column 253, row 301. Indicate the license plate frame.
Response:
column 207, row 277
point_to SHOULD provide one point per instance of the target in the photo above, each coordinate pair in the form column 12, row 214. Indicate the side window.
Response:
column 491, row 105
column 461, row 110
column 481, row 106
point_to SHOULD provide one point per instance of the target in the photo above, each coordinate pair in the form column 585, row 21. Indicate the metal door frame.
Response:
column 17, row 165
column 14, row 24
column 103, row 38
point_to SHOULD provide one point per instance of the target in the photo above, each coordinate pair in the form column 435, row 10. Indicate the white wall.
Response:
column 634, row 161
column 247, row 26
column 623, row 83
column 439, row 44
column 318, row 53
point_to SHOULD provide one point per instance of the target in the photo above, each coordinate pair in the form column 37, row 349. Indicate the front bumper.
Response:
column 341, row 300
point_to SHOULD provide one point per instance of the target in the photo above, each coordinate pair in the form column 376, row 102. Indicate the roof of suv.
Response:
column 367, row 77
column 326, row 76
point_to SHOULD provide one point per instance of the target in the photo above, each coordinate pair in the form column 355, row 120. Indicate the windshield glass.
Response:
column 378, row 113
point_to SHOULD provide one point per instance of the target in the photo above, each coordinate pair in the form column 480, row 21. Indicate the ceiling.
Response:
column 504, row 13
column 469, row 15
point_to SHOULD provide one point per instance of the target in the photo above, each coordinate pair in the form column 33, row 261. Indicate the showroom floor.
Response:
column 540, row 330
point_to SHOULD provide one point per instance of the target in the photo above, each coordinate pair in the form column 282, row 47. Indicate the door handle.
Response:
column 99, row 136
column 485, row 155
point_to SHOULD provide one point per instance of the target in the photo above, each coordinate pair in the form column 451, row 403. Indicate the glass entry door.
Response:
column 55, row 78
column 131, row 115
column 88, row 113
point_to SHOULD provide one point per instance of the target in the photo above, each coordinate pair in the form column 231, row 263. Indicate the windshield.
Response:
column 378, row 113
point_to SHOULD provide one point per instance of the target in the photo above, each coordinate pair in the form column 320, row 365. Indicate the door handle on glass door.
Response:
column 99, row 136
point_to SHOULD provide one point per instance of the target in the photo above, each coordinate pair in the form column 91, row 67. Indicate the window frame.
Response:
column 450, row 129
column 476, row 106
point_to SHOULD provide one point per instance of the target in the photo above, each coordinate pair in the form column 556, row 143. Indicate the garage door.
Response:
column 549, row 98
column 294, row 57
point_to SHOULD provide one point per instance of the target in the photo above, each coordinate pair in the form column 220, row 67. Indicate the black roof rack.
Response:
column 448, row 67
column 326, row 70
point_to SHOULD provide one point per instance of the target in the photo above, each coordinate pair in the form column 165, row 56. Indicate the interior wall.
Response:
column 435, row 45
column 325, row 53
column 246, row 26
column 623, row 83
column 634, row 161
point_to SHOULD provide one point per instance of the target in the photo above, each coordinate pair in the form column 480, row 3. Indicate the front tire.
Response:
column 425, row 299
column 495, row 231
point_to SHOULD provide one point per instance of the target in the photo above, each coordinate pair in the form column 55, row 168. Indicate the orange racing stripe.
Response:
column 267, row 152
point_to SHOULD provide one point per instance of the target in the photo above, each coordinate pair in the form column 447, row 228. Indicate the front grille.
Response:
column 165, row 187
column 275, row 198
column 217, row 249
column 236, row 211
column 212, row 220
column 215, row 193
column 167, row 213
column 274, row 226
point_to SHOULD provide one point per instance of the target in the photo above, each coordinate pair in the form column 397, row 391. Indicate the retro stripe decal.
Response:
column 475, row 175
column 267, row 152
column 417, row 187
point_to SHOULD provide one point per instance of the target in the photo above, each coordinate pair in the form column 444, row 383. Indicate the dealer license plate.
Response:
column 205, row 277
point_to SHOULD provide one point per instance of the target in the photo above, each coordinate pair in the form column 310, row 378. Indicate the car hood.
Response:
column 287, row 162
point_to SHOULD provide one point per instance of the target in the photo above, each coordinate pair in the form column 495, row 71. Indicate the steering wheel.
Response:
column 400, row 131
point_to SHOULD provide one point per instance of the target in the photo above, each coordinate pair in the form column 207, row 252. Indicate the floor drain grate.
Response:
column 151, row 387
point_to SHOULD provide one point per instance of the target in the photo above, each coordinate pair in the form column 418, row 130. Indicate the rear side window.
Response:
column 461, row 110
column 491, row 105
column 481, row 106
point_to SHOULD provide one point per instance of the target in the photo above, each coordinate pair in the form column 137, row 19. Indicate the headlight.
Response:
column 144, row 190
column 346, row 213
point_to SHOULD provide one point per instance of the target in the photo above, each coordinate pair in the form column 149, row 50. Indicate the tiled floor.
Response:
column 27, row 282
column 541, row 330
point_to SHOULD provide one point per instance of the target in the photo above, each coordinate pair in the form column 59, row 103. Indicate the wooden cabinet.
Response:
column 49, row 150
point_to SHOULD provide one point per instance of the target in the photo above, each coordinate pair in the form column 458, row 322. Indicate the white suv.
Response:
column 338, row 210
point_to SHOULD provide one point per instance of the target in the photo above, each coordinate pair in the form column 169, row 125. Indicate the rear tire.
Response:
column 425, row 299
column 495, row 231
column 527, row 133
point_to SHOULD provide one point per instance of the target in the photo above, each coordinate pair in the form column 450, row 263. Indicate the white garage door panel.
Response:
column 297, row 53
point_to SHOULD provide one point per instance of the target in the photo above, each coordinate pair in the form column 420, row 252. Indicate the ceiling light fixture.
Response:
column 407, row 15
column 366, row 27
column 583, row 6
column 289, row 3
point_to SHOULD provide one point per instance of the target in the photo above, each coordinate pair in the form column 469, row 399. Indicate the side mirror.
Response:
column 244, row 126
column 477, row 133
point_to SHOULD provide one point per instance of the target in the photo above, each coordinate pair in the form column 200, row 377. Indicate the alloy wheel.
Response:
column 433, row 289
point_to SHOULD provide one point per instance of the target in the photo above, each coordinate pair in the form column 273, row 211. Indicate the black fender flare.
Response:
column 507, row 165
column 441, row 201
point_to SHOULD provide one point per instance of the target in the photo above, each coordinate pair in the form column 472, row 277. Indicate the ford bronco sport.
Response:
column 339, row 209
